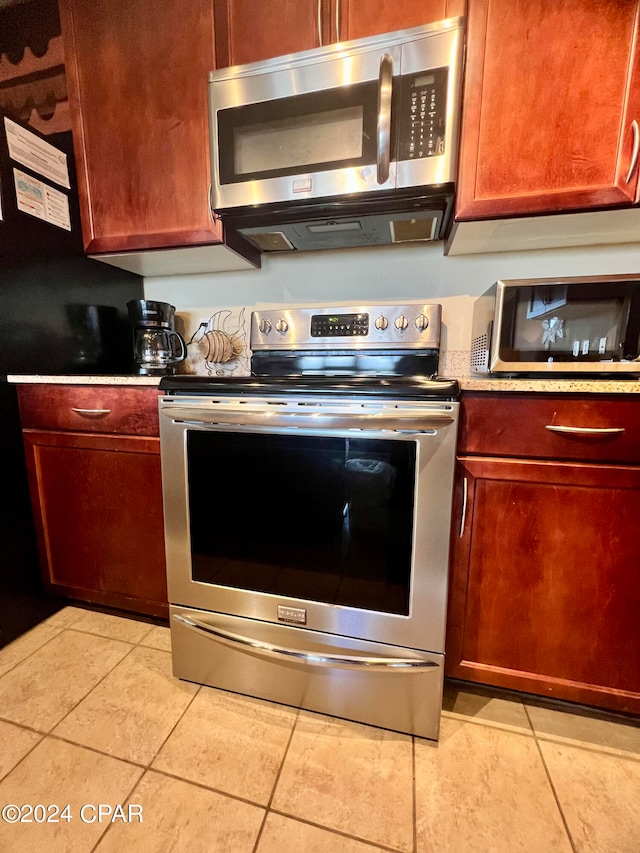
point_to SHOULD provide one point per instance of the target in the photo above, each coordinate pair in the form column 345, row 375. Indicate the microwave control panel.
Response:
column 423, row 109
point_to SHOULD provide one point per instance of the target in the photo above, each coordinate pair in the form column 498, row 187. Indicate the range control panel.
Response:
column 409, row 326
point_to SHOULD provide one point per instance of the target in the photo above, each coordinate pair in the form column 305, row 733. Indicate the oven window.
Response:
column 307, row 517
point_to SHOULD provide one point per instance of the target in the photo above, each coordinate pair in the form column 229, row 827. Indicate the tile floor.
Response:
column 91, row 716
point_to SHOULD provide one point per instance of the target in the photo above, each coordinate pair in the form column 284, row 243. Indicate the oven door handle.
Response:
column 312, row 658
column 397, row 421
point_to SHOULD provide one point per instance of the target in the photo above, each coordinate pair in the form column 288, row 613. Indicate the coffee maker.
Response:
column 157, row 347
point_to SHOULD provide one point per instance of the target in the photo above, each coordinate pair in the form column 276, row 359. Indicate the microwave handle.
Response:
column 385, row 87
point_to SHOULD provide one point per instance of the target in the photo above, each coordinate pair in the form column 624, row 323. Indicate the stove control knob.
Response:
column 401, row 323
column 282, row 326
column 264, row 326
column 381, row 323
column 422, row 322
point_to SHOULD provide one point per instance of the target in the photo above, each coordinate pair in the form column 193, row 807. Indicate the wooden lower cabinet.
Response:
column 97, row 504
column 544, row 588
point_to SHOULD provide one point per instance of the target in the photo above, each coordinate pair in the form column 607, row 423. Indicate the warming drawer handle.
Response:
column 585, row 430
column 91, row 413
column 422, row 422
column 312, row 658
column 385, row 88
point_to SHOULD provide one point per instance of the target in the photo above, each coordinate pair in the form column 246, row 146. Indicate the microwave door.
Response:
column 315, row 130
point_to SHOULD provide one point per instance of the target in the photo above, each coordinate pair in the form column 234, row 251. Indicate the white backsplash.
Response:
column 418, row 273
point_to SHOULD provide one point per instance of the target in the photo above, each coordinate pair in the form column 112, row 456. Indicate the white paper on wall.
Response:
column 36, row 154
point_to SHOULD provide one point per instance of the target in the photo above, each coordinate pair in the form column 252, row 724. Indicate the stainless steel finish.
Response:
column 488, row 317
column 636, row 149
column 383, row 334
column 585, row 430
column 463, row 515
column 328, row 67
column 406, row 699
column 383, row 129
column 91, row 413
column 285, row 414
column 319, row 22
column 435, row 440
column 311, row 658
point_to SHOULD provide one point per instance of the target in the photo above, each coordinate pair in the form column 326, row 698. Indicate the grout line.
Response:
column 553, row 787
column 339, row 832
column 611, row 751
column 173, row 728
column 125, row 800
column 275, row 781
column 29, row 751
column 32, row 653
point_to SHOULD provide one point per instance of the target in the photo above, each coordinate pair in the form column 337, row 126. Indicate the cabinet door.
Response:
column 97, row 502
column 544, row 593
column 247, row 31
column 137, row 78
column 361, row 18
column 551, row 92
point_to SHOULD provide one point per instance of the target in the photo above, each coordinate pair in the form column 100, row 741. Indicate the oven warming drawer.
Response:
column 377, row 684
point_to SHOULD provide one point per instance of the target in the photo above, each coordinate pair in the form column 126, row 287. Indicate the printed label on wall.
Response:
column 27, row 148
column 39, row 199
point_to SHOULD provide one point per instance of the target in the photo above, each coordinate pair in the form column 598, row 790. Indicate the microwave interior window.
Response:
column 565, row 323
column 308, row 517
column 299, row 141
column 315, row 131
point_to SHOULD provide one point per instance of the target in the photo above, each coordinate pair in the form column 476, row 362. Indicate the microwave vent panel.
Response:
column 480, row 354
column 411, row 230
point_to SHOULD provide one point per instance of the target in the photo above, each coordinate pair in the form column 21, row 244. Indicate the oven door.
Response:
column 330, row 516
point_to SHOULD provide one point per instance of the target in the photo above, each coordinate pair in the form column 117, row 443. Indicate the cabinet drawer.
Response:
column 586, row 427
column 96, row 408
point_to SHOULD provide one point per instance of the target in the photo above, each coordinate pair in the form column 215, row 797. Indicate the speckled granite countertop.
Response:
column 32, row 379
column 467, row 383
column 551, row 386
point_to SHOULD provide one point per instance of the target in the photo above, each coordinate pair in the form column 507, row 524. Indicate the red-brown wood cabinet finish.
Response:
column 551, row 91
column 249, row 31
column 544, row 592
column 137, row 73
column 93, row 462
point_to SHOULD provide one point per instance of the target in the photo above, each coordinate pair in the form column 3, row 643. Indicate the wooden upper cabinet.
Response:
column 250, row 31
column 361, row 18
column 551, row 92
column 137, row 77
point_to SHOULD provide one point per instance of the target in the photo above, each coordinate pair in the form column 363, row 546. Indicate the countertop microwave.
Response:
column 349, row 144
column 588, row 325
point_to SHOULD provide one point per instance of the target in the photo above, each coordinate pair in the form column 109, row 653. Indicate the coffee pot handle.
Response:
column 182, row 354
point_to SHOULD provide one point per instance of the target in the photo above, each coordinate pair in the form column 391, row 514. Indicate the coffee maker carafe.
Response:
column 157, row 347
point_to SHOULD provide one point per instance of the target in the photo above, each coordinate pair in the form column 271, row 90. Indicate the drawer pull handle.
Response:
column 586, row 430
column 91, row 413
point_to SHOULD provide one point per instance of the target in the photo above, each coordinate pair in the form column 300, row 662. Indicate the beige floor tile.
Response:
column 58, row 773
column 504, row 713
column 133, row 710
column 233, row 743
column 483, row 789
column 353, row 778
column 42, row 689
column 285, row 835
column 25, row 645
column 619, row 738
column 65, row 617
column 599, row 796
column 107, row 625
column 183, row 818
column 158, row 638
column 15, row 743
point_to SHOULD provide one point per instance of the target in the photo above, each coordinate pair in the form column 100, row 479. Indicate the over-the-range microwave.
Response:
column 350, row 144
column 589, row 325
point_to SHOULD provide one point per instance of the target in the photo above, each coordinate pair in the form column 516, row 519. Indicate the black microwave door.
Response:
column 571, row 323
column 307, row 133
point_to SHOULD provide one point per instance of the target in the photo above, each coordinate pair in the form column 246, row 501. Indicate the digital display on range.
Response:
column 339, row 325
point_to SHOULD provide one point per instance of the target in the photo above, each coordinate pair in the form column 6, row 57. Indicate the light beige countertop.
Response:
column 551, row 385
column 467, row 383
column 87, row 379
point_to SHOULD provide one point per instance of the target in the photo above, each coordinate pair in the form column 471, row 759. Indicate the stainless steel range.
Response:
column 307, row 515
